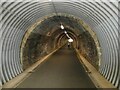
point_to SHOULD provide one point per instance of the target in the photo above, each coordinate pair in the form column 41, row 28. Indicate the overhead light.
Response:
column 65, row 32
column 70, row 40
column 67, row 35
column 50, row 0
column 62, row 27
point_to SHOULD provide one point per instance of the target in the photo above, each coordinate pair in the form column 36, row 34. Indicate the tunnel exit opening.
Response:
column 46, row 35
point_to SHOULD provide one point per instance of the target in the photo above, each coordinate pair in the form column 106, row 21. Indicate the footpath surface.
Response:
column 61, row 70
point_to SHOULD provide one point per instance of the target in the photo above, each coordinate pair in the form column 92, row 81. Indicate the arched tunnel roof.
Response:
column 18, row 15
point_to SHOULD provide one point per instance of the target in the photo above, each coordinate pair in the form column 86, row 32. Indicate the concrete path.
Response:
column 61, row 70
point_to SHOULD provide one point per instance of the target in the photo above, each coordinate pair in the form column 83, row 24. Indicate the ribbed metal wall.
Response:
column 101, row 16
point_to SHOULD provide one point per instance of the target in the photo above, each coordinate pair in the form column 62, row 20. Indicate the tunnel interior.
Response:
column 47, row 36
column 23, row 30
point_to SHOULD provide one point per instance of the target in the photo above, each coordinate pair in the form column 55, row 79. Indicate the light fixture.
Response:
column 62, row 27
column 67, row 35
column 70, row 40
column 50, row 0
column 65, row 32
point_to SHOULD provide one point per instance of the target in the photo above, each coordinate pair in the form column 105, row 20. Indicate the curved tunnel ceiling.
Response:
column 50, row 27
column 101, row 16
column 52, row 24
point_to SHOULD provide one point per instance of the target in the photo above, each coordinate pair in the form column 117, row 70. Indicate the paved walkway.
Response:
column 61, row 70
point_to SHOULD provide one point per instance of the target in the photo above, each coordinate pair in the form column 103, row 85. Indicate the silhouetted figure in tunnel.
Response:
column 68, row 45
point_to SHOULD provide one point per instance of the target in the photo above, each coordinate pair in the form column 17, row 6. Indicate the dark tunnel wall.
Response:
column 88, row 49
column 16, row 17
column 35, row 48
column 39, row 45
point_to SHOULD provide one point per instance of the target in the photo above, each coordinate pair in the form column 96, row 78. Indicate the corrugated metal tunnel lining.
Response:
column 101, row 16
